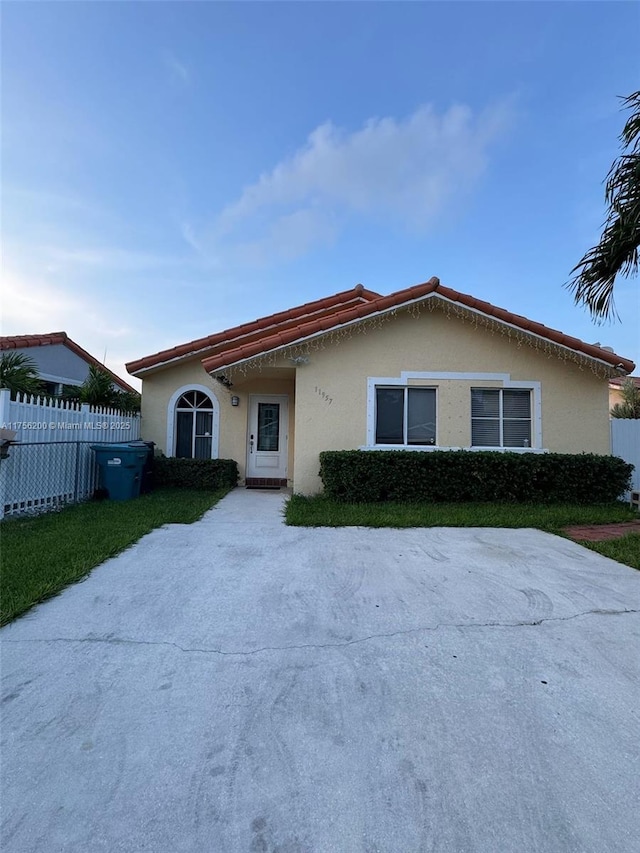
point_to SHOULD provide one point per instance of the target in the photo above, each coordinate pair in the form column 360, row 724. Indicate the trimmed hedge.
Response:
column 209, row 474
column 452, row 476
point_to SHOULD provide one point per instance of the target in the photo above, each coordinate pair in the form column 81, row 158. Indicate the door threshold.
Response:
column 265, row 482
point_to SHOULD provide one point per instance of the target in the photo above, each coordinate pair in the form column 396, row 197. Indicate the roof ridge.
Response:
column 32, row 340
column 303, row 329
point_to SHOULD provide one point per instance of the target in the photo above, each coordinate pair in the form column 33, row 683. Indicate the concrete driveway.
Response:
column 237, row 685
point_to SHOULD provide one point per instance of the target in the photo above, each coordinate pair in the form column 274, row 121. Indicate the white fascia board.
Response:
column 168, row 361
column 50, row 377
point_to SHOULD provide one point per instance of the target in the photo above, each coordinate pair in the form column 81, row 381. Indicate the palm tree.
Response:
column 128, row 401
column 98, row 390
column 630, row 405
column 617, row 251
column 19, row 373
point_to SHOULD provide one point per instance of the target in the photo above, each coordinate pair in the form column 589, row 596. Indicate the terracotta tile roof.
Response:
column 258, row 330
column 24, row 341
column 8, row 342
column 619, row 381
column 280, row 335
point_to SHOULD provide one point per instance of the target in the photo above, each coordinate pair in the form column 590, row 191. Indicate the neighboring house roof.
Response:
column 618, row 381
column 8, row 342
column 229, row 348
column 258, row 330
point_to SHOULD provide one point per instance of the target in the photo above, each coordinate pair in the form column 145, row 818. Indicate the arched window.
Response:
column 194, row 426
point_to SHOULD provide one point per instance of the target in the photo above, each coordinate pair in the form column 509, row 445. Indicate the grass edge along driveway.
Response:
column 41, row 555
column 321, row 511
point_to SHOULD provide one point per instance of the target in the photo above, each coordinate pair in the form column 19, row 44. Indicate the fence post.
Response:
column 5, row 400
column 85, row 434
column 5, row 416
column 76, row 484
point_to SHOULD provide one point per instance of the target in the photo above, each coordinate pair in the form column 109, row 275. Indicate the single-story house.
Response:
column 60, row 361
column 425, row 368
column 615, row 388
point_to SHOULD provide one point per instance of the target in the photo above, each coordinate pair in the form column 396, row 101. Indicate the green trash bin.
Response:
column 121, row 468
column 146, row 483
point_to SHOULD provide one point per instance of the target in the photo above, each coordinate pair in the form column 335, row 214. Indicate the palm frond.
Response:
column 19, row 373
column 617, row 252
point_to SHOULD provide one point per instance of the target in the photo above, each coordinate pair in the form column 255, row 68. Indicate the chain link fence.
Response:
column 40, row 476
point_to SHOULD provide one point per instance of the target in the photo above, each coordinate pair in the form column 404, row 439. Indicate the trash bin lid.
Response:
column 119, row 448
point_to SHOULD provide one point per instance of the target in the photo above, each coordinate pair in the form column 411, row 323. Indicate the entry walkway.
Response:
column 238, row 685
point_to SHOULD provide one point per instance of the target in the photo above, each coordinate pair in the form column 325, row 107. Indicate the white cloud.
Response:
column 202, row 249
column 70, row 255
column 32, row 201
column 32, row 305
column 405, row 171
column 110, row 257
column 69, row 275
column 125, row 302
column 288, row 237
column 177, row 68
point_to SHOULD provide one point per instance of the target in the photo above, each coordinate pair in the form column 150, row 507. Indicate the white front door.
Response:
column 267, row 437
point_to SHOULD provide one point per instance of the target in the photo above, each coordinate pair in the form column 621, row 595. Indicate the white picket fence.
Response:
column 52, row 462
column 625, row 442
column 45, row 419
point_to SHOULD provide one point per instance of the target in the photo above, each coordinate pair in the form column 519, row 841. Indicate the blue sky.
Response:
column 172, row 169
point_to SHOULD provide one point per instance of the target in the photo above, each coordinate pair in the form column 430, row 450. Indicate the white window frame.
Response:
column 500, row 419
column 172, row 414
column 405, row 415
column 433, row 377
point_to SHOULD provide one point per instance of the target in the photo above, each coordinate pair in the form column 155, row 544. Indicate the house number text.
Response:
column 324, row 395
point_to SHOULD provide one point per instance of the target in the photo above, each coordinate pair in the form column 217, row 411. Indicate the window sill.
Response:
column 510, row 449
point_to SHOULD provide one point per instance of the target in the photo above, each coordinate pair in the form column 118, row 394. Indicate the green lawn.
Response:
column 625, row 550
column 41, row 555
column 320, row 511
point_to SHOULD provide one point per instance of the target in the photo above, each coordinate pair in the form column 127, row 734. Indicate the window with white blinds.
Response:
column 405, row 415
column 500, row 417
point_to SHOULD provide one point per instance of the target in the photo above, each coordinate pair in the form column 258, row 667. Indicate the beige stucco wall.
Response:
column 158, row 388
column 574, row 401
column 328, row 396
column 615, row 396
